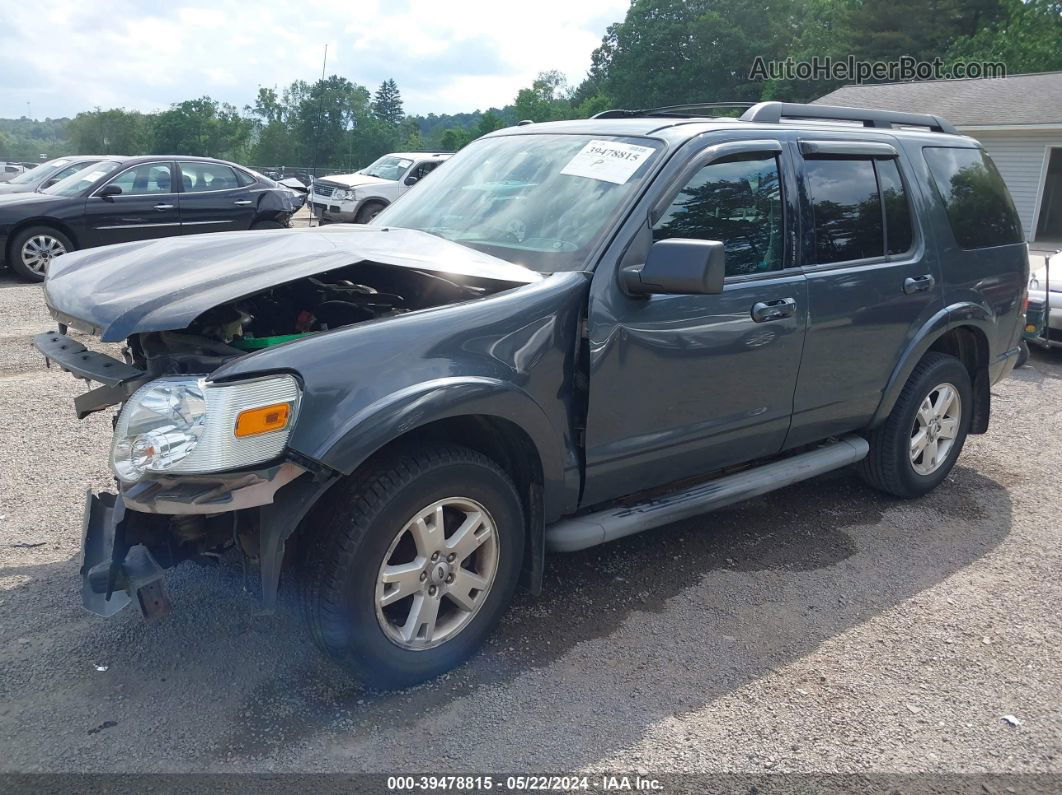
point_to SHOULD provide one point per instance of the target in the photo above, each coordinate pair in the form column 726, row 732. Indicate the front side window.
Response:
column 144, row 180
column 200, row 177
column 538, row 200
column 979, row 208
column 737, row 201
column 421, row 170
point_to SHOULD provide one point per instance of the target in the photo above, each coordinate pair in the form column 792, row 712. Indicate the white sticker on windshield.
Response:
column 95, row 175
column 609, row 161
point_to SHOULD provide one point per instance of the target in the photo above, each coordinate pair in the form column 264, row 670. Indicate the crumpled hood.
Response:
column 354, row 180
column 161, row 285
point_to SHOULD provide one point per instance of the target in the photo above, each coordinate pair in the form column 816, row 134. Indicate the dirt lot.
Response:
column 822, row 628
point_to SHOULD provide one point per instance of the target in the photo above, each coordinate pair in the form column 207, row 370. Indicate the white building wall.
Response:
column 1020, row 157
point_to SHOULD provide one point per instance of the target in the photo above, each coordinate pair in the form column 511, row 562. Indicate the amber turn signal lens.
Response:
column 263, row 420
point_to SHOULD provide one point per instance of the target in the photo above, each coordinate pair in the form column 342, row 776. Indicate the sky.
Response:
column 66, row 56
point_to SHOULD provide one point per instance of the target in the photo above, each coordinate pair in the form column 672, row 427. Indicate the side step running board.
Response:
column 581, row 532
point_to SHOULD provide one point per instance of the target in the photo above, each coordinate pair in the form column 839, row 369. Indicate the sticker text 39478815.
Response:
column 609, row 161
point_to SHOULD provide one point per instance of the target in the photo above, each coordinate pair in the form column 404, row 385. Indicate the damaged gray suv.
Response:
column 573, row 332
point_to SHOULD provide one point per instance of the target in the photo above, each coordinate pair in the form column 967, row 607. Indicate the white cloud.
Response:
column 64, row 56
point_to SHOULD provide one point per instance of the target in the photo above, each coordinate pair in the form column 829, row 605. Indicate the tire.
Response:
column 362, row 527
column 268, row 224
column 1023, row 355
column 368, row 211
column 891, row 465
column 40, row 238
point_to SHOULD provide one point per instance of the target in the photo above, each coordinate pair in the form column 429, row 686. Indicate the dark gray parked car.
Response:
column 575, row 332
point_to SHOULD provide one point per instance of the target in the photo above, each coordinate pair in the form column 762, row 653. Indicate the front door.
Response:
column 146, row 208
column 215, row 198
column 682, row 385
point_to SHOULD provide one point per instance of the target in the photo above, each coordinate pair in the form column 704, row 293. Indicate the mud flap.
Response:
column 112, row 572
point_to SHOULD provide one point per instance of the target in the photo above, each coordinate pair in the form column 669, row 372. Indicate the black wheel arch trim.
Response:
column 23, row 224
column 958, row 315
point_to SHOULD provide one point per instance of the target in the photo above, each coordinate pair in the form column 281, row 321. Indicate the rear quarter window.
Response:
column 980, row 210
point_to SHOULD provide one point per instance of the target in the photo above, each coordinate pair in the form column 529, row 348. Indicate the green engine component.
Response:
column 258, row 343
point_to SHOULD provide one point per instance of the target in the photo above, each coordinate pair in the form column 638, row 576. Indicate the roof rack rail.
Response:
column 774, row 112
column 690, row 110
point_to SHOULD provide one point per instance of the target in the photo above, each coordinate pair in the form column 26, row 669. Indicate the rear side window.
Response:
column 736, row 201
column 860, row 208
column 979, row 208
column 847, row 209
column 199, row 177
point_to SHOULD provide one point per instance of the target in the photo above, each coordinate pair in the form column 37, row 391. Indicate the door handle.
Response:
column 763, row 311
column 918, row 284
column 242, row 202
column 163, row 206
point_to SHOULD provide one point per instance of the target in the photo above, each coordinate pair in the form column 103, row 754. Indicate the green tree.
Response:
column 387, row 103
column 1027, row 38
column 488, row 123
column 668, row 52
column 201, row 127
column 548, row 98
column 321, row 115
column 109, row 132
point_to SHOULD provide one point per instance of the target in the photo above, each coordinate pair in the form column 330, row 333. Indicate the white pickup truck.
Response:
column 359, row 197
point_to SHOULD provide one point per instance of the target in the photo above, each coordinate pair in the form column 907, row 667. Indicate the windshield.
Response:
column 43, row 171
column 542, row 201
column 388, row 167
column 80, row 180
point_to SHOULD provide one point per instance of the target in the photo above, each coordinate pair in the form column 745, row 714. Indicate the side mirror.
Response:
column 410, row 180
column 48, row 183
column 109, row 190
column 679, row 266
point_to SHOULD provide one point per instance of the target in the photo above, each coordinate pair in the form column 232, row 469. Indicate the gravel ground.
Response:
column 821, row 628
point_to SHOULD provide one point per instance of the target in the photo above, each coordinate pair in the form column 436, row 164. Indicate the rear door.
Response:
column 146, row 207
column 872, row 281
column 215, row 198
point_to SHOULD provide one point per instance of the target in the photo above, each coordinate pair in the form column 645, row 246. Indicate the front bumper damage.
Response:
column 113, row 572
column 128, row 537
column 119, row 568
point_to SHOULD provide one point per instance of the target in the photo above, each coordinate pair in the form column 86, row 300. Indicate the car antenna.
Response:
column 317, row 129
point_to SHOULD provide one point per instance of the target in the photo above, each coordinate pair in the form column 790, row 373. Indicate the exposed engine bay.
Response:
column 343, row 297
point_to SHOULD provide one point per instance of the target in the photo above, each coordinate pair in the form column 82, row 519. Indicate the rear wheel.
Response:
column 32, row 251
column 368, row 212
column 916, row 447
column 413, row 564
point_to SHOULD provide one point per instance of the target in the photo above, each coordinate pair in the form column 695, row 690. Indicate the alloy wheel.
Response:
column 935, row 428
column 437, row 573
column 38, row 252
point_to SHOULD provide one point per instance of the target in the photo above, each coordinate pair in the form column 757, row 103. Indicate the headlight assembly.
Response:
column 190, row 425
column 349, row 195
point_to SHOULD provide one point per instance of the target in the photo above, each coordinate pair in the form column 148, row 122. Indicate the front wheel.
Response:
column 369, row 211
column 409, row 568
column 916, row 447
column 32, row 251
